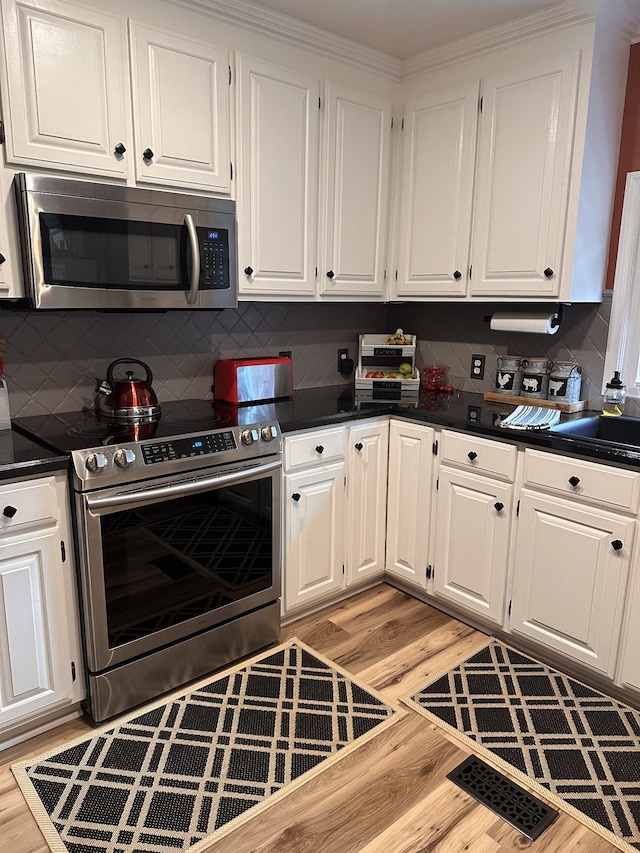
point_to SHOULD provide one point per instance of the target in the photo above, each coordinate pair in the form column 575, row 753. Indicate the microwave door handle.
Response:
column 195, row 259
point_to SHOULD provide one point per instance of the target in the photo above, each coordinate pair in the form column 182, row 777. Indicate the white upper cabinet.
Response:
column 524, row 157
column 541, row 194
column 59, row 57
column 181, row 111
column 356, row 193
column 437, row 193
column 277, row 180
column 498, row 232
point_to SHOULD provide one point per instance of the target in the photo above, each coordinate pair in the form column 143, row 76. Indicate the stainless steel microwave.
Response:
column 91, row 245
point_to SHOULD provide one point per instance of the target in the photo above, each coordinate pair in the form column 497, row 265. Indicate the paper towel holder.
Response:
column 555, row 322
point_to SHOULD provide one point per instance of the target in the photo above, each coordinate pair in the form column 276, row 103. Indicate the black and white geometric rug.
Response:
column 581, row 747
column 174, row 774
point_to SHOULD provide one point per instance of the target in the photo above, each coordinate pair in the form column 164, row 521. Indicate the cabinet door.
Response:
column 629, row 669
column 570, row 576
column 67, row 87
column 35, row 664
column 473, row 520
column 314, row 504
column 524, row 157
column 277, row 180
column 409, row 501
column 436, row 196
column 368, row 450
column 181, row 111
column 356, row 193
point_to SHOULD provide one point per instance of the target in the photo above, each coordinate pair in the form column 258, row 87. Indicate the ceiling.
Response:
column 405, row 28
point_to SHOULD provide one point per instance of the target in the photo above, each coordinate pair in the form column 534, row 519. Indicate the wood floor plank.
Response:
column 419, row 662
column 355, row 799
column 448, row 821
column 389, row 795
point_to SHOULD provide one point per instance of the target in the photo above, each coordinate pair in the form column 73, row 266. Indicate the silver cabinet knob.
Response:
column 124, row 457
column 96, row 462
column 268, row 433
column 248, row 436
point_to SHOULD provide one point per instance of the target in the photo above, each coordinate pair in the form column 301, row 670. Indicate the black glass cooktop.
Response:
column 83, row 429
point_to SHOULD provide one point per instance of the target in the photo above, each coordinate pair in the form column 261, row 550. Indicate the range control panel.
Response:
column 184, row 448
column 109, row 465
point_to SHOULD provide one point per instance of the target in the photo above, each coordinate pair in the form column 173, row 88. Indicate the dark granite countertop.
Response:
column 317, row 407
column 20, row 457
column 313, row 408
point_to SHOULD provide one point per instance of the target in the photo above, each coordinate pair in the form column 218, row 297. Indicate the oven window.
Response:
column 87, row 251
column 181, row 559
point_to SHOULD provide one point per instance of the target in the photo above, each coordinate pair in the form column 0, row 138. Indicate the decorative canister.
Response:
column 509, row 375
column 564, row 382
column 535, row 378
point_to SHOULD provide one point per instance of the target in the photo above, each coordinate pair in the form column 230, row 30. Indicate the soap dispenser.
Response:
column 614, row 396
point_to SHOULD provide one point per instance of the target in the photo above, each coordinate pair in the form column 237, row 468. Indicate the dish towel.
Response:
column 531, row 417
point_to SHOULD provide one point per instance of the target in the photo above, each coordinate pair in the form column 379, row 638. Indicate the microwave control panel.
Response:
column 214, row 257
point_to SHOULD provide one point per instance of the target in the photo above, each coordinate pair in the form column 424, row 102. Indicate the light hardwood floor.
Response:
column 388, row 796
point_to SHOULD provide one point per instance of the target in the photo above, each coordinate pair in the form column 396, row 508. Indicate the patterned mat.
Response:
column 173, row 774
column 580, row 746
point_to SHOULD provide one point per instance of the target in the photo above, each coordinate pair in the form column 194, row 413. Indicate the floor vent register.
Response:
column 517, row 807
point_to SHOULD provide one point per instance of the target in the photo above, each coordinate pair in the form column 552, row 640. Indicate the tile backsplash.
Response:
column 450, row 335
column 54, row 358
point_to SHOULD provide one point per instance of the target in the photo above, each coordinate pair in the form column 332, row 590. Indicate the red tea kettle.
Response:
column 132, row 400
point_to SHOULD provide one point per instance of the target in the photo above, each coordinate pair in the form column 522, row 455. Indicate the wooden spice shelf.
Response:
column 509, row 400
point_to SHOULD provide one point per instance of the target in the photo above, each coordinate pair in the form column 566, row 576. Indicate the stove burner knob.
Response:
column 96, row 462
column 269, row 433
column 248, row 436
column 124, row 457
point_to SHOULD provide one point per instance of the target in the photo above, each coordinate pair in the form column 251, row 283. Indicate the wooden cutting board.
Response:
column 509, row 400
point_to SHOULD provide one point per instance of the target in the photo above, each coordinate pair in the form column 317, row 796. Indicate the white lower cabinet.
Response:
column 334, row 510
column 411, row 465
column 367, row 455
column 314, row 523
column 572, row 558
column 628, row 675
column 41, row 668
column 474, row 508
column 535, row 543
column 473, row 523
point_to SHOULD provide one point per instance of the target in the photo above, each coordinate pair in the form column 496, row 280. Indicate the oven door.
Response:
column 162, row 562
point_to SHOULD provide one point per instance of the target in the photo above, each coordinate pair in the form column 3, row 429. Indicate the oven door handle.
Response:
column 195, row 259
column 144, row 495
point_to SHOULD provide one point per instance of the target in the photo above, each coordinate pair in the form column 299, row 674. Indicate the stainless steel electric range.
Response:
column 178, row 544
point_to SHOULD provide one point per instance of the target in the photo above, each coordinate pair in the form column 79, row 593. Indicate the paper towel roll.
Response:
column 521, row 321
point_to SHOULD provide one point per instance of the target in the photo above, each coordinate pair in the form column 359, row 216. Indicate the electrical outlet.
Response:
column 285, row 353
column 342, row 355
column 477, row 367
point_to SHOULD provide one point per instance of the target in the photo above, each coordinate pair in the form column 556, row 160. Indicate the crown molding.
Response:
column 250, row 16
column 522, row 29
column 628, row 18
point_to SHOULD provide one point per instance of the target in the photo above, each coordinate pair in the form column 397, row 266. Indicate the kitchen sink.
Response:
column 620, row 430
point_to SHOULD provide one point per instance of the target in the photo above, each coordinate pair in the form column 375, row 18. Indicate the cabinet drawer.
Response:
column 611, row 487
column 34, row 502
column 479, row 454
column 314, row 448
